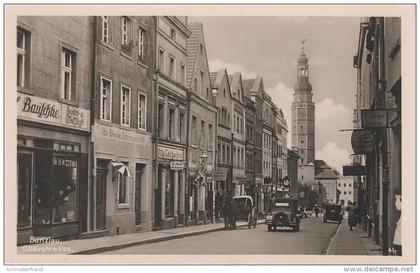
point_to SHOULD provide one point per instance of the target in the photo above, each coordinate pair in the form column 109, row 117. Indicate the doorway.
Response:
column 101, row 175
column 137, row 194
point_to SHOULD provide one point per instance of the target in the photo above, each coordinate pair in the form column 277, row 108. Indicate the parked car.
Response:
column 245, row 210
column 333, row 213
column 283, row 213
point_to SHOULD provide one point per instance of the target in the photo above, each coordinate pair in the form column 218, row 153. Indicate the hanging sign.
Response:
column 362, row 141
column 377, row 118
column 354, row 170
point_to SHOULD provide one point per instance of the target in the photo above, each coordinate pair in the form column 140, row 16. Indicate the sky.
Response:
column 269, row 46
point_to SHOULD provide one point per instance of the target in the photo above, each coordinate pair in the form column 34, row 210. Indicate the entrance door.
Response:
column 158, row 198
column 137, row 194
column 101, row 174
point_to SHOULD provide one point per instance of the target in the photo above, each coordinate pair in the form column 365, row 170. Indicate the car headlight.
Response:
column 269, row 217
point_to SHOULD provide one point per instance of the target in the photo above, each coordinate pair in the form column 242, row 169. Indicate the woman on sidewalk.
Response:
column 352, row 221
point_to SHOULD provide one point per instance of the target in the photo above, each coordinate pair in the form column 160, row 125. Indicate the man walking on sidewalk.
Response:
column 352, row 221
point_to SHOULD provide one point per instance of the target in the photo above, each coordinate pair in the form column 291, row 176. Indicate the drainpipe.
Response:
column 155, row 128
column 91, row 197
column 187, row 176
column 385, row 174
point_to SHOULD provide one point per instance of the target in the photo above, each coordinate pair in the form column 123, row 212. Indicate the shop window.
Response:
column 22, row 47
column 169, row 193
column 142, row 43
column 68, row 74
column 125, row 105
column 56, row 185
column 105, row 29
column 24, row 178
column 141, row 111
column 106, row 99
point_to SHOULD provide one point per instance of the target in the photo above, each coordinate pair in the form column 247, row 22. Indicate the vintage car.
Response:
column 245, row 210
column 283, row 213
column 332, row 212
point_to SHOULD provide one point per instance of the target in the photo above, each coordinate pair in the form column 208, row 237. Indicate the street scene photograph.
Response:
column 209, row 135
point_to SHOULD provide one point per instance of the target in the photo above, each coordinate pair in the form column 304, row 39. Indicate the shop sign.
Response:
column 119, row 134
column 376, row 118
column 362, row 141
column 354, row 170
column 170, row 153
column 52, row 112
column 219, row 175
column 177, row 165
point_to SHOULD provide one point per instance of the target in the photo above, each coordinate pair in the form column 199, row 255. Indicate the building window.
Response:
column 172, row 67
column 345, row 192
column 195, row 84
column 210, row 140
column 22, row 57
column 339, row 184
column 161, row 64
column 349, row 192
column 201, row 81
column 142, row 43
column 194, row 130
column 203, row 134
column 160, row 119
column 345, row 185
column 122, row 187
column 171, row 123
column 173, row 34
column 125, row 30
column 183, row 74
column 350, row 185
column 141, row 111
column 106, row 99
column 228, row 160
column 182, row 126
column 201, row 49
column 125, row 105
column 68, row 74
column 105, row 29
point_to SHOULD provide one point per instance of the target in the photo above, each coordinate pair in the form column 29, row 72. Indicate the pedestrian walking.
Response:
column 316, row 209
column 397, row 235
column 352, row 218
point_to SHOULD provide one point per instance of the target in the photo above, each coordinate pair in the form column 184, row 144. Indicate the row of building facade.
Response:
column 122, row 128
column 376, row 139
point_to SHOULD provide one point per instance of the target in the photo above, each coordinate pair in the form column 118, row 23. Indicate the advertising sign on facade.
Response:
column 170, row 153
column 52, row 112
column 362, row 141
column 177, row 165
column 354, row 170
column 219, row 175
column 377, row 118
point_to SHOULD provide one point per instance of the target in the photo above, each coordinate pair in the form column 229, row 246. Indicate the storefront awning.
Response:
column 121, row 168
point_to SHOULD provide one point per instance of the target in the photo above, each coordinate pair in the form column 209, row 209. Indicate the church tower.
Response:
column 303, row 114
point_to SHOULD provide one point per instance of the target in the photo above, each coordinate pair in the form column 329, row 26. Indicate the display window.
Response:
column 169, row 194
column 24, row 179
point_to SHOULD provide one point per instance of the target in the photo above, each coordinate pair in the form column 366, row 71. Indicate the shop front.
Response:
column 52, row 168
column 120, row 202
column 170, row 187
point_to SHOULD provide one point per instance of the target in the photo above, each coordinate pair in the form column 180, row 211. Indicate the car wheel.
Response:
column 296, row 228
column 274, row 227
column 269, row 228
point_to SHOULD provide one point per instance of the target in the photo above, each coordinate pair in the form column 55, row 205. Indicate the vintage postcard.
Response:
column 210, row 134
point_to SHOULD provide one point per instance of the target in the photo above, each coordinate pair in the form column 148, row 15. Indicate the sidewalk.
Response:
column 107, row 243
column 356, row 242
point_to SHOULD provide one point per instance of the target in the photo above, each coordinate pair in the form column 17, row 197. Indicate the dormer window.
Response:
column 173, row 34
